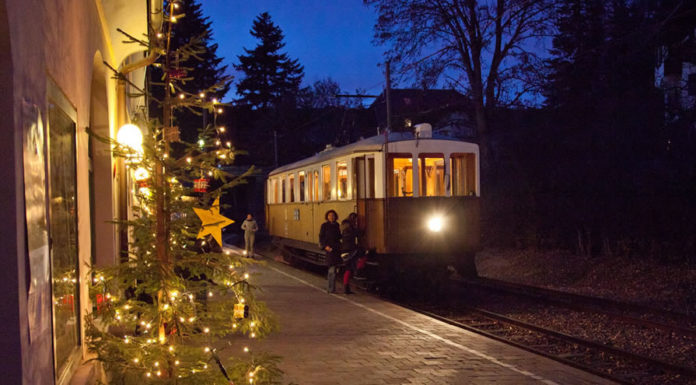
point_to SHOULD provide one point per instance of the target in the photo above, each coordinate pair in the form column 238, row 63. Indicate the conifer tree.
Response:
column 197, row 73
column 269, row 75
column 161, row 314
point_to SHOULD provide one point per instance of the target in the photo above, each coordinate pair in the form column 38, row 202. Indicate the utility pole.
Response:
column 386, row 95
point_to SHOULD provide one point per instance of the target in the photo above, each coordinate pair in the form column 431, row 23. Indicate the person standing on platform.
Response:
column 250, row 227
column 349, row 246
column 330, row 242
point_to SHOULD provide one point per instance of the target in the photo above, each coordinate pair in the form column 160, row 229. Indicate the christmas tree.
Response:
column 161, row 314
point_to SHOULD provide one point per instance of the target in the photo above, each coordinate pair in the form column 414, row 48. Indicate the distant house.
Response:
column 448, row 111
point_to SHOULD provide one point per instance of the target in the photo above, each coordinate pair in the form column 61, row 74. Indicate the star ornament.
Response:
column 213, row 222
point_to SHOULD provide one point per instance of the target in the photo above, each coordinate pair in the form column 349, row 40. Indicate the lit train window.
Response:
column 432, row 176
column 310, row 186
column 326, row 178
column 291, row 181
column 463, row 174
column 275, row 194
column 316, row 185
column 342, row 180
column 301, row 179
column 401, row 181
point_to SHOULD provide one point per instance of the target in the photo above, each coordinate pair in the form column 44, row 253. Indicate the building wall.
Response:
column 49, row 49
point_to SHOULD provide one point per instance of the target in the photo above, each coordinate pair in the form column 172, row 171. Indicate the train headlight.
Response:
column 435, row 224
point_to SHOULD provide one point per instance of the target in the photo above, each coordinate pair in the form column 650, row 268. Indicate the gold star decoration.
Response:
column 213, row 222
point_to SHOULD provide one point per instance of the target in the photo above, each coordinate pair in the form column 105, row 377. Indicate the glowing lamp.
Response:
column 435, row 224
column 129, row 135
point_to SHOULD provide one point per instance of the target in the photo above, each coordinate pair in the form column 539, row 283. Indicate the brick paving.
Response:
column 358, row 339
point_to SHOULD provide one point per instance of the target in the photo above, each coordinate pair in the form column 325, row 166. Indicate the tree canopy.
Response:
column 269, row 75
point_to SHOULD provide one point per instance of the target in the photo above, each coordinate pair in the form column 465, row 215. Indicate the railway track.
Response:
column 589, row 345
column 654, row 348
column 609, row 362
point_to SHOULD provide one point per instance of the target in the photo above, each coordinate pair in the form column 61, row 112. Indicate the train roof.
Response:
column 373, row 143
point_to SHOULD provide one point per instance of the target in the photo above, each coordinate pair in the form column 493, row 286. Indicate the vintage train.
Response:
column 416, row 196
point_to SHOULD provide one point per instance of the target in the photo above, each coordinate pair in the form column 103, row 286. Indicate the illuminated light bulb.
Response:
column 203, row 243
column 234, row 326
column 223, row 156
column 176, row 362
column 166, row 306
column 156, row 363
column 188, row 159
column 165, row 156
column 246, row 275
column 129, row 135
column 192, row 319
column 207, row 349
column 173, row 19
column 191, row 297
column 215, row 100
column 108, row 295
column 253, row 335
column 126, row 340
column 127, row 307
column 176, row 5
column 210, row 173
column 202, row 94
column 219, row 110
column 246, row 349
column 148, row 374
column 162, row 339
column 158, row 373
column 252, row 324
column 136, row 360
column 182, row 319
column 210, row 294
column 148, row 326
column 118, row 317
column 159, row 35
column 217, row 142
column 242, row 300
column 142, row 323
column 181, row 96
column 201, row 142
column 251, row 380
column 171, row 348
column 229, row 144
column 251, row 374
column 222, row 128
column 227, row 252
column 205, row 366
column 206, row 330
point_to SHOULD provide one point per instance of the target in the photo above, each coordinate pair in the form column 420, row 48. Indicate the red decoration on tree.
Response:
column 200, row 185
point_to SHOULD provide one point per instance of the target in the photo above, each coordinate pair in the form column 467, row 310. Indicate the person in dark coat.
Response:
column 330, row 242
column 349, row 249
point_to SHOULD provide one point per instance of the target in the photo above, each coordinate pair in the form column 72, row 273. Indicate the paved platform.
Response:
column 359, row 339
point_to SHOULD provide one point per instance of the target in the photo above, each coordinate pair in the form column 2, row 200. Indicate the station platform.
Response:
column 360, row 339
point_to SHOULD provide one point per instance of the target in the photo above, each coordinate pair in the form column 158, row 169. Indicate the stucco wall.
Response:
column 51, row 41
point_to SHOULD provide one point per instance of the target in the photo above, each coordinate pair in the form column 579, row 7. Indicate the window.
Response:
column 316, row 186
column 310, row 186
column 342, row 180
column 326, row 178
column 463, row 174
column 291, row 182
column 401, row 181
column 63, row 232
column 432, row 176
column 276, row 191
column 282, row 188
column 301, row 178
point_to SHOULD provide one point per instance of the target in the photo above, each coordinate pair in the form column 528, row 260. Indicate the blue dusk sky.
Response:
column 330, row 38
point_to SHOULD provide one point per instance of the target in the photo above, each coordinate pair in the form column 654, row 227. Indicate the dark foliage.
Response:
column 270, row 77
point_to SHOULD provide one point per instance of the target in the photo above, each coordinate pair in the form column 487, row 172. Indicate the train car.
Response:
column 416, row 196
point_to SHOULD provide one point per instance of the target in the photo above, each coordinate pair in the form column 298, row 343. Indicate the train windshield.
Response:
column 432, row 175
column 401, row 181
